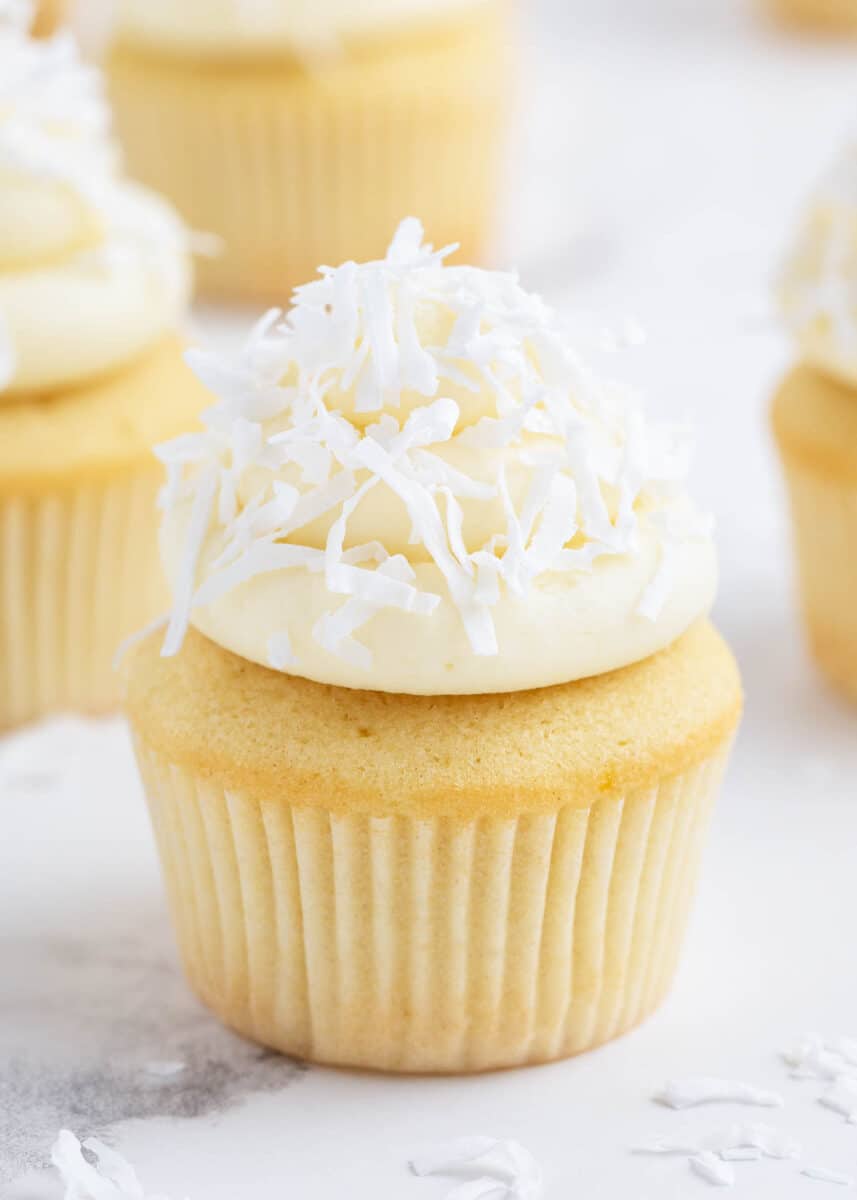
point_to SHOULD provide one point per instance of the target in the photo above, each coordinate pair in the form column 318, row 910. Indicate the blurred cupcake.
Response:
column 432, row 752
column 833, row 16
column 50, row 14
column 94, row 276
column 815, row 418
column 300, row 132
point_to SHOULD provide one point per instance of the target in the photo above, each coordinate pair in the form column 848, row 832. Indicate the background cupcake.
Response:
column 815, row 418
column 835, row 16
column 94, row 276
column 431, row 773
column 300, row 133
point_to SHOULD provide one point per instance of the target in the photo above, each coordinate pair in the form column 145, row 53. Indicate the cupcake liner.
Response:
column 293, row 168
column 439, row 945
column 824, row 511
column 79, row 571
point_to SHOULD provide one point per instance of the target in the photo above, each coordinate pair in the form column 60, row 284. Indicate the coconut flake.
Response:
column 105, row 1175
column 824, row 1175
column 687, row 1093
column 712, row 1169
column 489, row 1168
column 842, row 1098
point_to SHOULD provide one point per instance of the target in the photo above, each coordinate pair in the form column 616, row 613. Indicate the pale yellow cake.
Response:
column 294, row 162
column 830, row 16
column 815, row 422
column 438, row 884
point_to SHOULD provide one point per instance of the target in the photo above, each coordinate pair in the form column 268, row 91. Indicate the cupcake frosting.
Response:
column 227, row 26
column 412, row 483
column 92, row 269
column 818, row 285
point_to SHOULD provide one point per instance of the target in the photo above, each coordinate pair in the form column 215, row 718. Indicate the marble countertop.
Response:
column 663, row 152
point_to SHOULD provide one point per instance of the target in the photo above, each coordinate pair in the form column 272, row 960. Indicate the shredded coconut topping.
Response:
column 103, row 1175
column 54, row 117
column 487, row 1168
column 824, row 1175
column 391, row 375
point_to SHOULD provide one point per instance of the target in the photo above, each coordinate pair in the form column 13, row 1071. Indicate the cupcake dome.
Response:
column 94, row 276
column 435, row 729
column 301, row 133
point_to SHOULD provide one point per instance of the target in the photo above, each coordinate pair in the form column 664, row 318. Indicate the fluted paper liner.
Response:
column 429, row 945
column 293, row 169
column 824, row 511
column 79, row 571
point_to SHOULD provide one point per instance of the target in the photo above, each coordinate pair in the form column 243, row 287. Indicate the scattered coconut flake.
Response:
column 741, row 1154
column 167, row 1069
column 824, row 1175
column 712, row 1169
column 842, row 1098
column 104, row 1175
column 815, row 1057
column 689, row 1144
column 703, row 1089
column 489, row 1168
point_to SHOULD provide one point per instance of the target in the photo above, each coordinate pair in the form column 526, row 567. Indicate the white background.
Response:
column 664, row 151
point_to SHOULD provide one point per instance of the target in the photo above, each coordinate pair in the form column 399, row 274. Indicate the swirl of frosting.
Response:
column 818, row 284
column 233, row 26
column 92, row 269
column 412, row 483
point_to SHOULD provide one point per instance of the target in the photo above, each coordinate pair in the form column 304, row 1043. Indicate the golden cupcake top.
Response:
column 93, row 269
column 818, row 284
column 412, row 482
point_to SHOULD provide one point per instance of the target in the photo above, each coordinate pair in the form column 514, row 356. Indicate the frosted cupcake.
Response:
column 94, row 277
column 435, row 730
column 815, row 418
column 833, row 16
column 301, row 130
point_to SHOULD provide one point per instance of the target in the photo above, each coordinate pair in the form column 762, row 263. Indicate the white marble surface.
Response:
column 668, row 143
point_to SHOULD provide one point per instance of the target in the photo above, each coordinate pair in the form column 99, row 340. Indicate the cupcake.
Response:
column 832, row 16
column 434, row 732
column 815, row 418
column 94, row 277
column 300, row 132
column 49, row 16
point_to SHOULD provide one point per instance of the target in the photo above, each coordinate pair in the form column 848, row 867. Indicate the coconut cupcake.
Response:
column 435, row 730
column 815, row 418
column 94, row 276
column 301, row 131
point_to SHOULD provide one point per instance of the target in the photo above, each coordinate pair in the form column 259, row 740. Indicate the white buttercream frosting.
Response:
column 818, row 285
column 233, row 26
column 92, row 269
column 412, row 483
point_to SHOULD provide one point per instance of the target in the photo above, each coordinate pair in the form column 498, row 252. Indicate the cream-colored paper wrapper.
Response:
column 438, row 945
column 824, row 514
column 79, row 571
column 295, row 166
